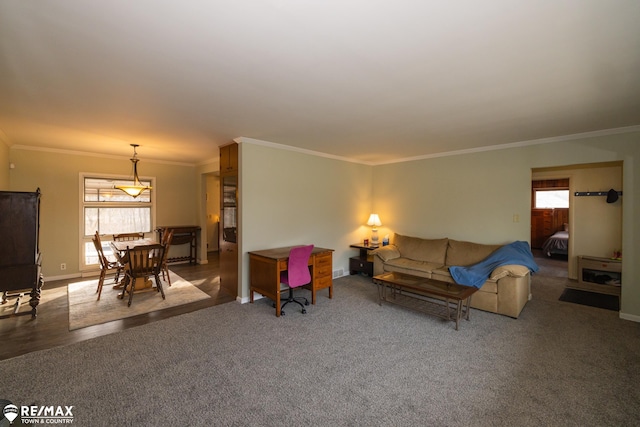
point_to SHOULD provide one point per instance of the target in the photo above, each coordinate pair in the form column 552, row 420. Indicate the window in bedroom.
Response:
column 551, row 198
column 111, row 211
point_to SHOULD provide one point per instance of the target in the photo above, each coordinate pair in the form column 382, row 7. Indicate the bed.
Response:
column 558, row 244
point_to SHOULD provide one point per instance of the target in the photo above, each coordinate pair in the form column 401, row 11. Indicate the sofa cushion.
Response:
column 415, row 248
column 443, row 275
column 387, row 252
column 467, row 253
column 410, row 266
column 509, row 270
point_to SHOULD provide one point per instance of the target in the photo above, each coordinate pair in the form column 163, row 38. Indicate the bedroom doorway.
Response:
column 550, row 198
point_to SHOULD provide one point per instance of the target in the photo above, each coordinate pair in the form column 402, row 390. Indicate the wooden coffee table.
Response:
column 442, row 299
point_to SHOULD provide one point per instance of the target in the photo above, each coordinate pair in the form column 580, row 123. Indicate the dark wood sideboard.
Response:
column 182, row 235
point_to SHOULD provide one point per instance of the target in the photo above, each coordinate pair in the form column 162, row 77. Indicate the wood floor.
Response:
column 21, row 334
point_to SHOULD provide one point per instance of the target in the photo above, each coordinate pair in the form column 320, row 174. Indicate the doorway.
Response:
column 550, row 205
column 212, row 204
column 594, row 226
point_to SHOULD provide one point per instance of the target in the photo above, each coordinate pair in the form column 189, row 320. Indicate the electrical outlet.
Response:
column 63, row 266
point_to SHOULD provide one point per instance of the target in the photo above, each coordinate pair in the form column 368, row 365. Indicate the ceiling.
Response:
column 367, row 80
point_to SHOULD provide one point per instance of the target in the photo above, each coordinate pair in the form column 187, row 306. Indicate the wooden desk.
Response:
column 265, row 267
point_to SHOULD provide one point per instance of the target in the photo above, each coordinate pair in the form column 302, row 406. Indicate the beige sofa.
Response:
column 506, row 291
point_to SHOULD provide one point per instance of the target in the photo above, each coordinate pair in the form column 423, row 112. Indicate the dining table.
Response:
column 120, row 247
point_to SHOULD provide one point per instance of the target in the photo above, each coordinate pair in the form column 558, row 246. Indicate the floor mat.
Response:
column 592, row 299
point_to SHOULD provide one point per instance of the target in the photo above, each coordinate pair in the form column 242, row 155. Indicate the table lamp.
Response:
column 374, row 221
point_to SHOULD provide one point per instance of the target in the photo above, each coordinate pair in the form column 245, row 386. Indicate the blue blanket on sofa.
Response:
column 475, row 275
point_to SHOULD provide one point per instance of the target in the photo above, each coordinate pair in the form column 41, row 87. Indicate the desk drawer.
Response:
column 323, row 282
column 323, row 269
column 324, row 260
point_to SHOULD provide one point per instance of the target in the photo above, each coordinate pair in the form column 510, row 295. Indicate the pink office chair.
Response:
column 297, row 274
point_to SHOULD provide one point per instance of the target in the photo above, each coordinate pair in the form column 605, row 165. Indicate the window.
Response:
column 111, row 211
column 552, row 198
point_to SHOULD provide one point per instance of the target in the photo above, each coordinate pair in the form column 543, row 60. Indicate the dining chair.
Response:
column 105, row 264
column 297, row 274
column 142, row 263
column 167, row 238
column 122, row 237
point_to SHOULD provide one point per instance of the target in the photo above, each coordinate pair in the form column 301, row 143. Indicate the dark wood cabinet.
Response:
column 20, row 258
column 363, row 263
column 229, row 158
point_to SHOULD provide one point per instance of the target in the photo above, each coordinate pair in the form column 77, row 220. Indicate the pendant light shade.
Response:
column 137, row 188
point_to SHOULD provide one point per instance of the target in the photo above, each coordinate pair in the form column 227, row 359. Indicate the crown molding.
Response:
column 100, row 155
column 563, row 138
column 242, row 139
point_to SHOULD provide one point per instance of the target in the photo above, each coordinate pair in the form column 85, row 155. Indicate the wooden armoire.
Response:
column 20, row 258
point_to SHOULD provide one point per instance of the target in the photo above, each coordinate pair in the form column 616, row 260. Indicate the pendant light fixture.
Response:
column 137, row 188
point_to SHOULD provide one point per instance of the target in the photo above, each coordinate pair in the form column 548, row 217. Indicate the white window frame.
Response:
column 86, row 239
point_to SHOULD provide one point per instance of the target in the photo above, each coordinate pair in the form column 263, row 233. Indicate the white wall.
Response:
column 465, row 197
column 292, row 198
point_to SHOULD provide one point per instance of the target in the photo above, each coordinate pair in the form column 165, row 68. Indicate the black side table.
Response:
column 362, row 263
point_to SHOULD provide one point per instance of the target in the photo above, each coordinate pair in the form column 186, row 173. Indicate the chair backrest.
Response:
column 145, row 260
column 167, row 238
column 298, row 266
column 125, row 237
column 104, row 263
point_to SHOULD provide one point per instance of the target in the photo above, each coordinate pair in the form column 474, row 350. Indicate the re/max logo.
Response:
column 46, row 411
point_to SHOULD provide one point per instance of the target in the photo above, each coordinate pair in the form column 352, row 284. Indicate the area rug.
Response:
column 592, row 299
column 85, row 310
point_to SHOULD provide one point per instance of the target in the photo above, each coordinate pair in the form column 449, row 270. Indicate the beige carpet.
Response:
column 85, row 310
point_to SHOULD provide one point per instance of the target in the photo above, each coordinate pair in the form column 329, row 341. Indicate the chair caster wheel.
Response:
column 304, row 311
column 282, row 313
column 306, row 303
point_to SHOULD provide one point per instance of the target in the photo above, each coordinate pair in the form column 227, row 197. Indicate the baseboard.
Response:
column 62, row 277
column 256, row 297
column 631, row 317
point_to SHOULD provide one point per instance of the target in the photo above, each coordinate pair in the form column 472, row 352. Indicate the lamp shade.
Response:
column 137, row 187
column 374, row 220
